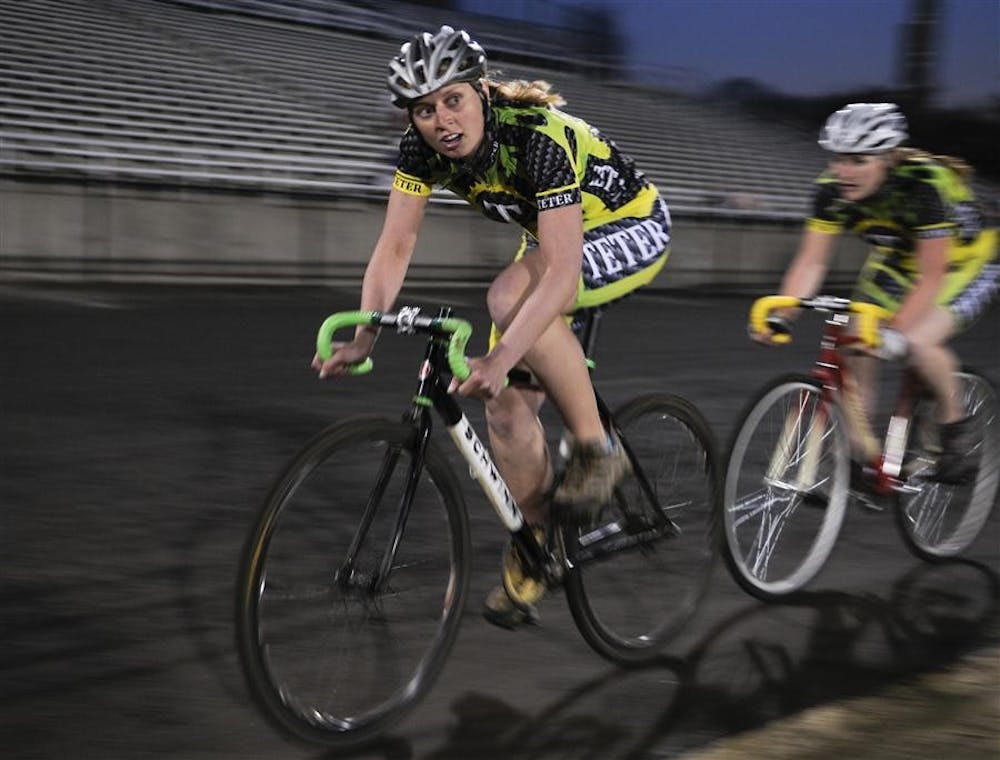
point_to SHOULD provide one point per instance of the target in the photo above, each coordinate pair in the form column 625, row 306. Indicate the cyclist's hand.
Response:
column 779, row 331
column 892, row 345
column 485, row 381
column 344, row 355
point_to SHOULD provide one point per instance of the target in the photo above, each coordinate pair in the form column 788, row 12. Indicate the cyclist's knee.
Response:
column 506, row 294
column 924, row 352
column 511, row 287
column 933, row 331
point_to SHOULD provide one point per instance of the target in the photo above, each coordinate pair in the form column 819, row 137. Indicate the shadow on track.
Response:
column 741, row 675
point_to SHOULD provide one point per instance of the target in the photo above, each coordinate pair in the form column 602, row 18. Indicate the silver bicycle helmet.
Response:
column 864, row 128
column 430, row 61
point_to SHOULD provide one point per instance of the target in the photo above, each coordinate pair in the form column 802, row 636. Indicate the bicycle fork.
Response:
column 798, row 449
column 390, row 460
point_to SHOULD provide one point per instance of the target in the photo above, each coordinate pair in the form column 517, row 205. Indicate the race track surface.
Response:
column 142, row 426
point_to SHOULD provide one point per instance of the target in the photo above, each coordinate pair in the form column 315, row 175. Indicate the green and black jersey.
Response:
column 542, row 158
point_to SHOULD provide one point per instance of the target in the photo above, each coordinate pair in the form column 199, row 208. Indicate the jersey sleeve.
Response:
column 931, row 215
column 415, row 171
column 552, row 172
column 824, row 217
column 411, row 185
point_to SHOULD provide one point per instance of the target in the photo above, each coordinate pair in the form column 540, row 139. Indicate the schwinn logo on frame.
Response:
column 484, row 466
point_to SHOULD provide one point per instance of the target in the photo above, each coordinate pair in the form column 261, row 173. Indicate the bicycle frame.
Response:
column 432, row 392
column 790, row 476
column 885, row 461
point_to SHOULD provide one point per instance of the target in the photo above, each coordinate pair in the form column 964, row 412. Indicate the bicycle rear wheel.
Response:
column 637, row 577
column 939, row 520
column 341, row 629
column 786, row 488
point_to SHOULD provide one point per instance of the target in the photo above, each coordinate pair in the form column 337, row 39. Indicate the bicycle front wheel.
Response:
column 786, row 488
column 352, row 583
column 637, row 577
column 939, row 520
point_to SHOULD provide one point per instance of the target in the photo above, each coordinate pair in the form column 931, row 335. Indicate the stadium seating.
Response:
column 190, row 93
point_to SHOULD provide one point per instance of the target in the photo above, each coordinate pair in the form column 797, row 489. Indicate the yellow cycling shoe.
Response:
column 512, row 604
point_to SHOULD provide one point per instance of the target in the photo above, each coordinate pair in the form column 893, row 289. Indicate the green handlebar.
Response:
column 460, row 330
column 338, row 321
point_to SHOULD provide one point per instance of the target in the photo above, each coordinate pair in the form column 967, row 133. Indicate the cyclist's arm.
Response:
column 932, row 260
column 560, row 248
column 802, row 279
column 808, row 269
column 390, row 259
column 383, row 277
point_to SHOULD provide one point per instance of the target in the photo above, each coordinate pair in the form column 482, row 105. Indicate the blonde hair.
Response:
column 523, row 92
column 957, row 165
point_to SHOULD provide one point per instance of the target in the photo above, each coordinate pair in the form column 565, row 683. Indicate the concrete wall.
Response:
column 105, row 231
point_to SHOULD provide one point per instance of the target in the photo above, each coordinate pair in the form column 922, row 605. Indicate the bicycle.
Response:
column 789, row 470
column 354, row 577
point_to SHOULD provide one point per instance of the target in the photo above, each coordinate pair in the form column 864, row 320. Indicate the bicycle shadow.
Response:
column 760, row 663
column 738, row 674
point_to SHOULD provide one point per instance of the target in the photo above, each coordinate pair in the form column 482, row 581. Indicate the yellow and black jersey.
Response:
column 921, row 198
column 539, row 158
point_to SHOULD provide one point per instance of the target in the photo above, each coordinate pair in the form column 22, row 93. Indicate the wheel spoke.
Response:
column 335, row 642
column 786, row 489
column 938, row 519
column 628, row 604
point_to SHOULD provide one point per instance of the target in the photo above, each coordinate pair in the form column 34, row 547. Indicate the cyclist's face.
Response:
column 859, row 175
column 451, row 120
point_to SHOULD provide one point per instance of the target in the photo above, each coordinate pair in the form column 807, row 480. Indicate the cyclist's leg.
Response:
column 556, row 358
column 860, row 397
column 517, row 438
column 596, row 464
column 935, row 362
column 520, row 452
column 619, row 257
column 558, row 362
column 967, row 294
column 517, row 441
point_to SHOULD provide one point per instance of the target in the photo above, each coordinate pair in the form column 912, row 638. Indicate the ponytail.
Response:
column 524, row 93
column 957, row 165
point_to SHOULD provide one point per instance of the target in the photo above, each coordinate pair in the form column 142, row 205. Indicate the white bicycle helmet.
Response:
column 430, row 61
column 864, row 128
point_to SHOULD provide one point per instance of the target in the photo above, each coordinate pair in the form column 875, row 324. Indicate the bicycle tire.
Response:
column 630, row 603
column 329, row 658
column 784, row 501
column 937, row 520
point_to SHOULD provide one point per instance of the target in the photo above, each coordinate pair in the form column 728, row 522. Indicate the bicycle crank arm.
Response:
column 612, row 538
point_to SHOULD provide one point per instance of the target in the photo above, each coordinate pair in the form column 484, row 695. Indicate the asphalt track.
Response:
column 141, row 426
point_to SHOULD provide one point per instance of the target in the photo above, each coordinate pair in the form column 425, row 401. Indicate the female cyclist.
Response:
column 932, row 262
column 594, row 229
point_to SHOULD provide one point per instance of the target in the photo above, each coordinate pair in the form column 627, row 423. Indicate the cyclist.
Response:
column 594, row 229
column 932, row 262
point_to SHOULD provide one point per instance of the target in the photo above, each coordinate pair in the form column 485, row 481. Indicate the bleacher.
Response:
column 181, row 94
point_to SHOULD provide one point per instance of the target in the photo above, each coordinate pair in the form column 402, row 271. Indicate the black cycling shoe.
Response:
column 959, row 459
